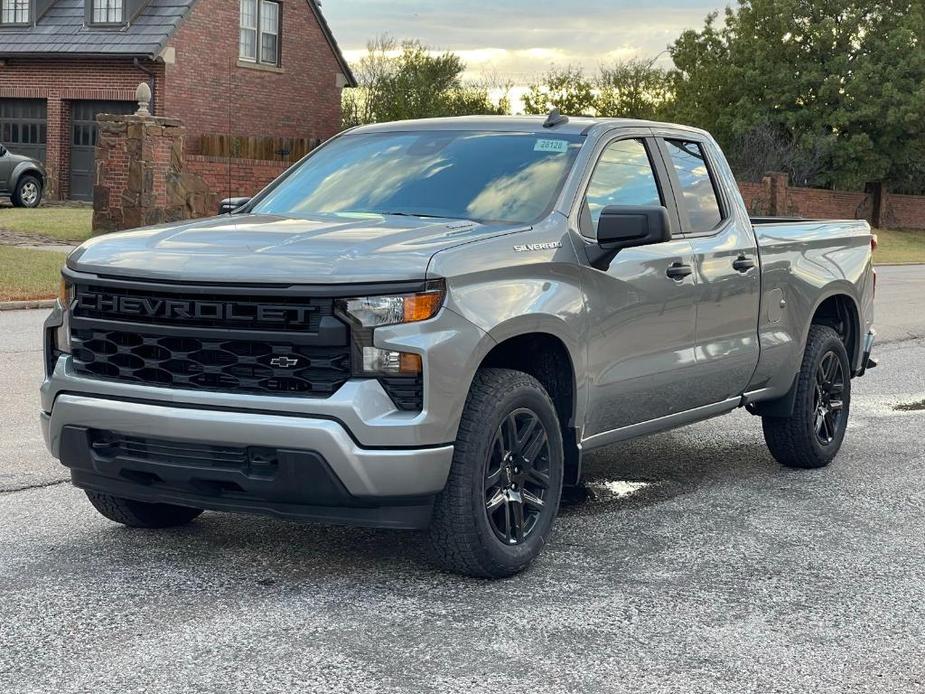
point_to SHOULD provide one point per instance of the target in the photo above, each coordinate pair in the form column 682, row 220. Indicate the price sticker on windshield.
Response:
column 557, row 146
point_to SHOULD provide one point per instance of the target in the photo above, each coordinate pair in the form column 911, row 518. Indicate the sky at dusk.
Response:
column 519, row 39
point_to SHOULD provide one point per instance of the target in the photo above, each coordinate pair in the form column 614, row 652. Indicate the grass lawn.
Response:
column 29, row 274
column 899, row 247
column 62, row 223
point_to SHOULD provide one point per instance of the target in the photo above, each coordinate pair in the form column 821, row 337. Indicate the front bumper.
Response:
column 321, row 473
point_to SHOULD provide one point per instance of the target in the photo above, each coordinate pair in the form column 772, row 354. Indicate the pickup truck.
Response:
column 426, row 324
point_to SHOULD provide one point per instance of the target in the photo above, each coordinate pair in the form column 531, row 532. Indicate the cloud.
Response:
column 520, row 39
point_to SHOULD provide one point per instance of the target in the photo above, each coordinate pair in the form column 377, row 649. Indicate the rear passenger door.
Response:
column 726, row 266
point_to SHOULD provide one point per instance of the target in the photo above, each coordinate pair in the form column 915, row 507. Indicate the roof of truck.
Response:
column 574, row 125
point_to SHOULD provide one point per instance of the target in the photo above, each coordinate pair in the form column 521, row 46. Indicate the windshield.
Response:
column 483, row 176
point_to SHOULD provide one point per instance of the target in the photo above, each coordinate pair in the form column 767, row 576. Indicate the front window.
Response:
column 14, row 11
column 107, row 12
column 476, row 175
column 259, row 38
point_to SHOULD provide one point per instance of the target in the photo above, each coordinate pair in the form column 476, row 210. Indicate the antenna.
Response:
column 555, row 118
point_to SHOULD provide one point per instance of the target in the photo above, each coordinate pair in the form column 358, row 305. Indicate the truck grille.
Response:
column 207, row 338
column 251, row 366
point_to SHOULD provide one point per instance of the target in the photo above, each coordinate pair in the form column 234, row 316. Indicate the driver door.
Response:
column 641, row 321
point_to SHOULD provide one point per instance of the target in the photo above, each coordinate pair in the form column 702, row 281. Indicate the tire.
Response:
column 139, row 514
column 474, row 528
column 812, row 435
column 28, row 192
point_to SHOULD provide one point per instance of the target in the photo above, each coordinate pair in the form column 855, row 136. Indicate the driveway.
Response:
column 723, row 572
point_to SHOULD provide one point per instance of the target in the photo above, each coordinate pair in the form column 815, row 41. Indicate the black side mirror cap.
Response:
column 231, row 204
column 622, row 227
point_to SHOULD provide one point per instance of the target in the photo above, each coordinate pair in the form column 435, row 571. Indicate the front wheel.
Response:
column 811, row 436
column 497, row 510
column 141, row 514
column 28, row 192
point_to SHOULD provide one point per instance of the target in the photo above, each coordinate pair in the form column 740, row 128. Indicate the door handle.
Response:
column 678, row 271
column 743, row 264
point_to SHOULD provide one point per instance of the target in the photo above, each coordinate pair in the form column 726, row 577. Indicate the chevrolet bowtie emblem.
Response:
column 283, row 362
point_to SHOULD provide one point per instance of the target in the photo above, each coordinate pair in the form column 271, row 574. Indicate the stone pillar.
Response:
column 139, row 178
column 777, row 184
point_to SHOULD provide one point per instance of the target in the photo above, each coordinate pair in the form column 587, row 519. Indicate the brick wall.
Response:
column 229, row 178
column 773, row 196
column 63, row 81
column 213, row 93
column 904, row 211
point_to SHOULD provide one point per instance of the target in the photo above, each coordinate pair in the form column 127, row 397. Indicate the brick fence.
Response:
column 229, row 178
column 773, row 196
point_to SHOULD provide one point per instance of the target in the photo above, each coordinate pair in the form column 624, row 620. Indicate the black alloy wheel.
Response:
column 827, row 399
column 517, row 476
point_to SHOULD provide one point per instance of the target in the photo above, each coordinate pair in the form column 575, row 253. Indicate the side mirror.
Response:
column 231, row 204
column 622, row 227
column 2, row 151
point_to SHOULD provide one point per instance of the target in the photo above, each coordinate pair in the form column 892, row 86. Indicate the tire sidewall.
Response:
column 515, row 556
column 831, row 343
column 18, row 194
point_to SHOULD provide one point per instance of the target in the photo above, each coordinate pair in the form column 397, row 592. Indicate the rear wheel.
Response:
column 812, row 435
column 139, row 514
column 497, row 510
column 28, row 192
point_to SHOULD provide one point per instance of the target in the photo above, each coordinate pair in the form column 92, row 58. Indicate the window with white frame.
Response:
column 14, row 11
column 259, row 39
column 106, row 12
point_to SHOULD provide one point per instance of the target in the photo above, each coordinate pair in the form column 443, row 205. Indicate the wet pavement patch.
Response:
column 910, row 406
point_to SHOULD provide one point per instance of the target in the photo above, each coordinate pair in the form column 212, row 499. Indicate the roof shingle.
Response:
column 61, row 31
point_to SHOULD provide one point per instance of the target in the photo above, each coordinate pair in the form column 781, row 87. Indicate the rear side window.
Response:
column 623, row 176
column 697, row 190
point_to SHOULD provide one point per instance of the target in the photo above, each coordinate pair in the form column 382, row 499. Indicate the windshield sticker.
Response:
column 551, row 146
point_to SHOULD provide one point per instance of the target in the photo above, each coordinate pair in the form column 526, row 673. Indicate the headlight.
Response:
column 372, row 311
column 369, row 312
column 62, row 332
column 65, row 293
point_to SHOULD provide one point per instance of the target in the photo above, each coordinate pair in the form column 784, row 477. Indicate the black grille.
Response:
column 407, row 393
column 247, row 366
column 224, row 457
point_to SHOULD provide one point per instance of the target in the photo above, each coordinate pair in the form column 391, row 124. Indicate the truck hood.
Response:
column 271, row 249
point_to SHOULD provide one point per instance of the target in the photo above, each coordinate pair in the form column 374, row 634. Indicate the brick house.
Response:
column 236, row 67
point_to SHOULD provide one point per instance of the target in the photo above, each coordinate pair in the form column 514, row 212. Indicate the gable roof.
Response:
column 61, row 31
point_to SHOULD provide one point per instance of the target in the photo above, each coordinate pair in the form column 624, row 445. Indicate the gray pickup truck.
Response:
column 425, row 324
column 22, row 178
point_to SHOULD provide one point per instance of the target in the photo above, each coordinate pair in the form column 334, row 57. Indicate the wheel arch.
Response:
column 548, row 358
column 838, row 308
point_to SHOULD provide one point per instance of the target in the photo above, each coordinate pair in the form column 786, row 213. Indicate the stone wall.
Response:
column 141, row 177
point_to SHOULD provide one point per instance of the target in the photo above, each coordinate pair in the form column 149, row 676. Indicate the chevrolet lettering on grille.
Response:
column 149, row 307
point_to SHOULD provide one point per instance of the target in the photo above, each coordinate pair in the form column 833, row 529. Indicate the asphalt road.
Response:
column 726, row 573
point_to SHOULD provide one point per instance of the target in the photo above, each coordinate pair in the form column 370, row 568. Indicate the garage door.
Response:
column 23, row 126
column 83, row 141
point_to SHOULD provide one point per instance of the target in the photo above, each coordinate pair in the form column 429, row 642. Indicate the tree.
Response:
column 844, row 79
column 564, row 88
column 633, row 89
column 398, row 82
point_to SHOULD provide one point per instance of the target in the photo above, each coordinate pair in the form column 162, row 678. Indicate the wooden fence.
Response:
column 287, row 149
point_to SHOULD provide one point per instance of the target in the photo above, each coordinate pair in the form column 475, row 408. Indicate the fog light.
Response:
column 387, row 361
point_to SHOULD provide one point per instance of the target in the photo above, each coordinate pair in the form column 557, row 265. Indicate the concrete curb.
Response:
column 32, row 303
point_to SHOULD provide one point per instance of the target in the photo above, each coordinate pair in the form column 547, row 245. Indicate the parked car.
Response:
column 427, row 324
column 22, row 178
